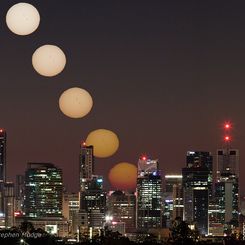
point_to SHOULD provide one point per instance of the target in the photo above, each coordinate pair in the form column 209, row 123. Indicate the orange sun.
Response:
column 123, row 176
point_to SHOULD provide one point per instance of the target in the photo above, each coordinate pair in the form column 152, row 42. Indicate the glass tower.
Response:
column 86, row 166
column 121, row 206
column 3, row 137
column 197, row 188
column 227, row 186
column 93, row 202
column 149, row 195
column 43, row 190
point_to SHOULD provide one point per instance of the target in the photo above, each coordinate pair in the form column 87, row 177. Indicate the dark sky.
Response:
column 164, row 75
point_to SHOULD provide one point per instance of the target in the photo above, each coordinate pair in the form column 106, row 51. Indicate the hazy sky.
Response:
column 164, row 75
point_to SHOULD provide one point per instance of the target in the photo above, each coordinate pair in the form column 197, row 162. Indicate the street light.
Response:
column 108, row 218
column 22, row 241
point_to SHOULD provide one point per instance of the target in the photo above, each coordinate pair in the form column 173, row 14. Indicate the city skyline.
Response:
column 175, row 69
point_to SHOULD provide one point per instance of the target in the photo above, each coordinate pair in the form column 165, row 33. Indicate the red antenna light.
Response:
column 227, row 126
column 227, row 138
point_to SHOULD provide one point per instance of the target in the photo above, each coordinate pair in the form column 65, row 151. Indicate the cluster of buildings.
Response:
column 204, row 196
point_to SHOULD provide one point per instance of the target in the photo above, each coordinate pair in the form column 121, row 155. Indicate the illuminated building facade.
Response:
column 227, row 162
column 43, row 190
column 70, row 210
column 227, row 183
column 93, row 202
column 19, row 193
column 9, row 204
column 121, row 207
column 86, row 165
column 3, row 138
column 149, row 206
column 202, row 159
column 226, row 193
column 197, row 189
column 173, row 198
column 227, row 186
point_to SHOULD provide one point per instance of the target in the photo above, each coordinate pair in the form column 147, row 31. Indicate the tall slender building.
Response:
column 149, row 207
column 3, row 138
column 19, row 193
column 173, row 198
column 197, row 188
column 9, row 204
column 227, row 182
column 86, row 164
column 70, row 210
column 91, row 215
column 43, row 190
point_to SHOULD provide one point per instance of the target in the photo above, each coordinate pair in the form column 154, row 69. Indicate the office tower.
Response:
column 173, row 198
column 204, row 159
column 227, row 186
column 197, row 189
column 121, row 207
column 43, row 190
column 19, row 193
column 227, row 182
column 3, row 138
column 178, row 206
column 9, row 204
column 86, row 164
column 149, row 208
column 93, row 203
column 227, row 162
column 70, row 209
column 226, row 193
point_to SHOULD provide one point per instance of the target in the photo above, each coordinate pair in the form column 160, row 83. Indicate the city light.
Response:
column 227, row 126
column 227, row 138
column 108, row 218
column 99, row 180
column 173, row 176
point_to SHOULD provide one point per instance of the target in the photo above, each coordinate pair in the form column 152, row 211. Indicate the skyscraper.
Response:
column 70, row 210
column 227, row 182
column 9, row 204
column 93, row 202
column 202, row 159
column 19, row 193
column 197, row 188
column 173, row 198
column 149, row 208
column 227, row 162
column 227, row 186
column 86, row 164
column 92, row 196
column 121, row 206
column 3, row 138
column 43, row 190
